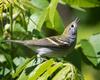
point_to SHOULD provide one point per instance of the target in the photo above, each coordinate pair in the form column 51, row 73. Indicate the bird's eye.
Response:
column 72, row 26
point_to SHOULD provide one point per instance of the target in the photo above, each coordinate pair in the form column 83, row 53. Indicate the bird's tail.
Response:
column 22, row 43
column 15, row 41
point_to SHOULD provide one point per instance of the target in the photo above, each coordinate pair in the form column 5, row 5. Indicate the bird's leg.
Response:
column 39, row 59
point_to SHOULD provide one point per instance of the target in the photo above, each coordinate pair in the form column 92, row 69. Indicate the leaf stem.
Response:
column 11, row 20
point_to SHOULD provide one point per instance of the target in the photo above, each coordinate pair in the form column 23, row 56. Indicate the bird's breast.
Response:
column 53, row 52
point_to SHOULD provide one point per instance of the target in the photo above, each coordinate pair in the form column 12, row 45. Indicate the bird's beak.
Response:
column 77, row 20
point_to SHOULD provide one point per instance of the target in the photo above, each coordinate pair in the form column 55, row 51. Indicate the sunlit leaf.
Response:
column 23, row 76
column 42, row 19
column 82, row 3
column 50, row 71
column 36, row 20
column 33, row 21
column 25, row 73
column 27, row 5
column 40, row 3
column 59, row 25
column 58, row 70
column 50, row 12
column 52, row 8
column 40, row 69
column 62, row 73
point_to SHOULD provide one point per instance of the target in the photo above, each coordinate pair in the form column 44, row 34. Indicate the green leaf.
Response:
column 40, row 3
column 58, row 23
column 62, row 73
column 95, row 42
column 18, row 60
column 91, row 48
column 4, row 71
column 37, row 19
column 89, row 51
column 18, row 28
column 42, row 19
column 27, row 70
column 47, row 69
column 73, row 73
column 21, row 67
column 49, row 13
column 50, row 71
column 23, row 76
column 52, row 9
column 33, row 21
column 2, row 58
column 40, row 69
column 9, row 60
column 83, row 3
column 78, row 8
column 4, row 4
column 28, row 5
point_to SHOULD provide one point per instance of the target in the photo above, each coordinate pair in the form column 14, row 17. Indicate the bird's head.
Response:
column 71, row 29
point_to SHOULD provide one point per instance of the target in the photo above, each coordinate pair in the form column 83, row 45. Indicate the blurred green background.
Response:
column 35, row 19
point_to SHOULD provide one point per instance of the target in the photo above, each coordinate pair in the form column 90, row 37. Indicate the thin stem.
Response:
column 11, row 28
column 2, row 20
column 11, row 20
column 1, row 30
column 24, row 22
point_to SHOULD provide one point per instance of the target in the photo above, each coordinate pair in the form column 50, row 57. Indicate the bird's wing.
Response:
column 45, row 42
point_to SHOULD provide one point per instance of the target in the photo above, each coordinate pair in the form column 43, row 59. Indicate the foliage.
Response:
column 93, row 48
column 33, row 19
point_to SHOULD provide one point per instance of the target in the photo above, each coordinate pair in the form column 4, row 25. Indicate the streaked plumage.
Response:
column 55, row 45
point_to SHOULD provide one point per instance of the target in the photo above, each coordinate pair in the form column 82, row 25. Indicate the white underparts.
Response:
column 42, row 51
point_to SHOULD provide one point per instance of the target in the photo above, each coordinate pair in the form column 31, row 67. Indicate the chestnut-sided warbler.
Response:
column 59, row 45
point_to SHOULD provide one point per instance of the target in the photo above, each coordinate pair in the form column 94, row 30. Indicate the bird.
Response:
column 60, row 45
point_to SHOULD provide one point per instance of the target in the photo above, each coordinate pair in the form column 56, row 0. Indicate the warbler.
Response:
column 60, row 45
